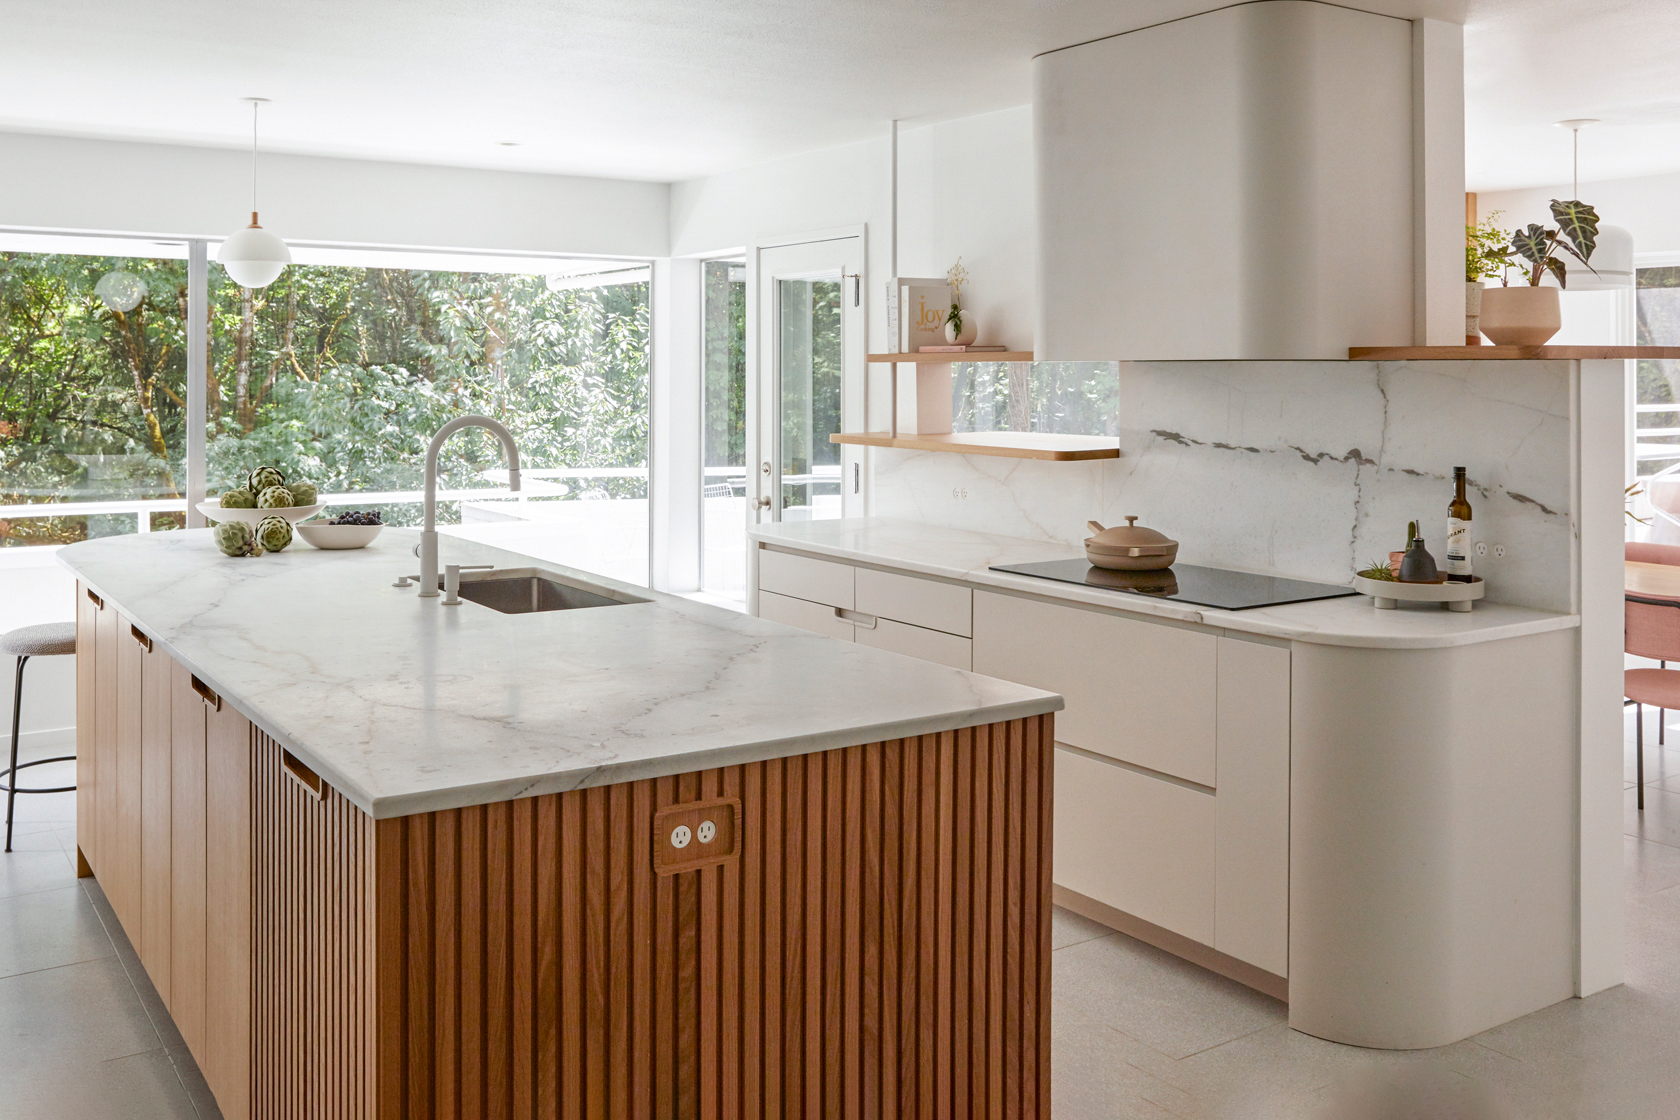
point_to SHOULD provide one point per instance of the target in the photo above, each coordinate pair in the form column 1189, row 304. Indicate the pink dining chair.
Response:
column 1643, row 552
column 1651, row 628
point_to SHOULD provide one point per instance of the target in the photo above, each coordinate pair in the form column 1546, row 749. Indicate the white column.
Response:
column 198, row 370
column 1600, row 418
column 674, row 440
column 1437, row 183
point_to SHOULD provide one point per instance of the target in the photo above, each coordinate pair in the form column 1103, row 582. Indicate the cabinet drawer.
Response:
column 916, row 641
column 1138, row 691
column 820, row 581
column 1137, row 843
column 807, row 616
column 920, row 602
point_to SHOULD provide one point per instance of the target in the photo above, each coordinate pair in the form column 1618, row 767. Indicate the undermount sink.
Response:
column 529, row 590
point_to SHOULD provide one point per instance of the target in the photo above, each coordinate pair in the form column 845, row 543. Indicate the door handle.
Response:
column 209, row 697
column 145, row 642
column 762, row 503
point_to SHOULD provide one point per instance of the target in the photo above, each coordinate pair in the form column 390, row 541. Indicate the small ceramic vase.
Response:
column 968, row 331
column 1417, row 566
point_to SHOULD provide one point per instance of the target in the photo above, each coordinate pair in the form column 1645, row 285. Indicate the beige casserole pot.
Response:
column 1129, row 548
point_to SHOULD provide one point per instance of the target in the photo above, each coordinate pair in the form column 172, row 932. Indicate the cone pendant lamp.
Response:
column 254, row 257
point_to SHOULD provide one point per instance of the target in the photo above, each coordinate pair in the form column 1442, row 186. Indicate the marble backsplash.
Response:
column 1307, row 469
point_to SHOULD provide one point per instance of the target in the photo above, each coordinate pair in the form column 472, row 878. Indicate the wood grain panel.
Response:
column 226, row 1055
column 156, row 789
column 881, row 947
column 105, row 742
column 120, row 874
column 186, row 851
column 87, row 719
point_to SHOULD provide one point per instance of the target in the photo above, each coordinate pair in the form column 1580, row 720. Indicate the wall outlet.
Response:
column 1499, row 552
column 696, row 834
column 959, row 493
column 1481, row 548
column 707, row 832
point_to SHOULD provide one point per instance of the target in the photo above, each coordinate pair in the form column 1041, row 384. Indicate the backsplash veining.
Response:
column 1307, row 469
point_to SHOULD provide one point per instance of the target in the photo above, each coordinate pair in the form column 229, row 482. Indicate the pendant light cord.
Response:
column 255, row 105
column 1577, row 185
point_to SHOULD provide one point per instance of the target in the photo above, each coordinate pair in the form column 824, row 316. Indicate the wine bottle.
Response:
column 1459, row 536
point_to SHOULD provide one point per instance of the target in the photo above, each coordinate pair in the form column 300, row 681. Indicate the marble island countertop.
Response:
column 964, row 555
column 407, row 706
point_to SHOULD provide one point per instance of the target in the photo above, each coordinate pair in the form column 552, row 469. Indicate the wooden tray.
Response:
column 1388, row 594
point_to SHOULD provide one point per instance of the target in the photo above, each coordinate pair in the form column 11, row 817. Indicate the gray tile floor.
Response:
column 1137, row 1032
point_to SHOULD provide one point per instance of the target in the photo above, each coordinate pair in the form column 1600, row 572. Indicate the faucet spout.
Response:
column 428, row 534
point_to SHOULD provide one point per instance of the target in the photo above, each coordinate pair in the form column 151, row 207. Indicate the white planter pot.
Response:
column 968, row 332
column 1520, row 315
column 1473, row 311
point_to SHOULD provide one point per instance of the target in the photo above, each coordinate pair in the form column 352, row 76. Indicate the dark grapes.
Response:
column 357, row 517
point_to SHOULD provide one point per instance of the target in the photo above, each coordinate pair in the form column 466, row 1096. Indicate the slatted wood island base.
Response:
column 878, row 946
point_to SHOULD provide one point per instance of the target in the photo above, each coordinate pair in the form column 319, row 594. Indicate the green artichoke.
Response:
column 275, row 497
column 238, row 498
column 264, row 477
column 303, row 493
column 235, row 538
column 274, row 533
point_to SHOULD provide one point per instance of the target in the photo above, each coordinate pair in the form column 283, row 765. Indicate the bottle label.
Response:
column 1458, row 547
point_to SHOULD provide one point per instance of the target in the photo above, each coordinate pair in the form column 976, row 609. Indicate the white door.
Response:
column 809, row 381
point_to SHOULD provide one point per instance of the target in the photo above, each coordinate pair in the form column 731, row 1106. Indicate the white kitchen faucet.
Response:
column 428, row 535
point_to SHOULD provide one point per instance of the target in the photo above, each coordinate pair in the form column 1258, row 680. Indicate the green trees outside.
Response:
column 724, row 408
column 336, row 374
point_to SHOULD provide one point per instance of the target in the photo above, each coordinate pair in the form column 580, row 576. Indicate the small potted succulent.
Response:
column 959, row 328
column 1486, row 253
column 1528, row 314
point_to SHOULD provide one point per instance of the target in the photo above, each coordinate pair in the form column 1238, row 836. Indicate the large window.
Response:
column 1657, row 408
column 724, row 430
column 92, row 396
column 338, row 374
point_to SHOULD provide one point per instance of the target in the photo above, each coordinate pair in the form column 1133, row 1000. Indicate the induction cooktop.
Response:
column 1186, row 583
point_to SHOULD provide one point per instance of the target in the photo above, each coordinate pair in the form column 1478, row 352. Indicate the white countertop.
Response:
column 408, row 706
column 959, row 554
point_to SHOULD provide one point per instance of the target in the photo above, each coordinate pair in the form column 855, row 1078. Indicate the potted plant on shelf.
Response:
column 959, row 328
column 1486, row 253
column 1528, row 314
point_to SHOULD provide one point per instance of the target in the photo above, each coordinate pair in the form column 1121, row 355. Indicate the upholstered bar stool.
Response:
column 50, row 639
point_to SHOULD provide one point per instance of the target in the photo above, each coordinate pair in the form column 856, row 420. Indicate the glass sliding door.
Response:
column 340, row 375
column 723, row 421
column 92, row 396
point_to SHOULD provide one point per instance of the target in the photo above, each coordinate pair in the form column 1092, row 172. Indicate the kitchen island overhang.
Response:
column 497, row 932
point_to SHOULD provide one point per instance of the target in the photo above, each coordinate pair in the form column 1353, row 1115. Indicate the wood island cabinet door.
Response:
column 226, row 1056
column 87, row 723
column 120, row 875
column 155, row 798
column 105, row 740
column 186, row 849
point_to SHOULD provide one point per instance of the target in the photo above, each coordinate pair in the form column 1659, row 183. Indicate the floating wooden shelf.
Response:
column 1011, row 445
column 969, row 356
column 1528, row 353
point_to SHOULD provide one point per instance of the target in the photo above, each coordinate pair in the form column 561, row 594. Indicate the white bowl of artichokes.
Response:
column 263, row 510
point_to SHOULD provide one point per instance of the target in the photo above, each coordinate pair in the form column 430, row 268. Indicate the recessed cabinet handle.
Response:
column 302, row 774
column 97, row 601
column 145, row 642
column 857, row 618
column 210, row 697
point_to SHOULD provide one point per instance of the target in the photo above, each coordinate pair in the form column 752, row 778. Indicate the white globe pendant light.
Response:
column 253, row 257
column 1612, row 259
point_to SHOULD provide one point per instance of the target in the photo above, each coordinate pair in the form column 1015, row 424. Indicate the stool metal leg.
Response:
column 11, row 771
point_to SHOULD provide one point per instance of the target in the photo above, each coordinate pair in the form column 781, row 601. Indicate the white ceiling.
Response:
column 672, row 89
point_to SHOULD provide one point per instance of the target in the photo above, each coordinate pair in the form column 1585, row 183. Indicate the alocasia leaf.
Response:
column 1579, row 223
column 1534, row 243
column 1555, row 267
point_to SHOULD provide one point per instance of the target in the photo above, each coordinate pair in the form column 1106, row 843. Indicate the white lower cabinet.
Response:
column 1137, row 843
column 1142, row 692
column 917, row 641
column 815, row 617
column 1251, row 897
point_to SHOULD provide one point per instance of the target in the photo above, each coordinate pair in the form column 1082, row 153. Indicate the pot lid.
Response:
column 1130, row 535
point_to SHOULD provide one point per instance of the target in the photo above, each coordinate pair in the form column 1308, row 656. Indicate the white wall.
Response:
column 57, row 182
column 34, row 589
column 965, row 189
